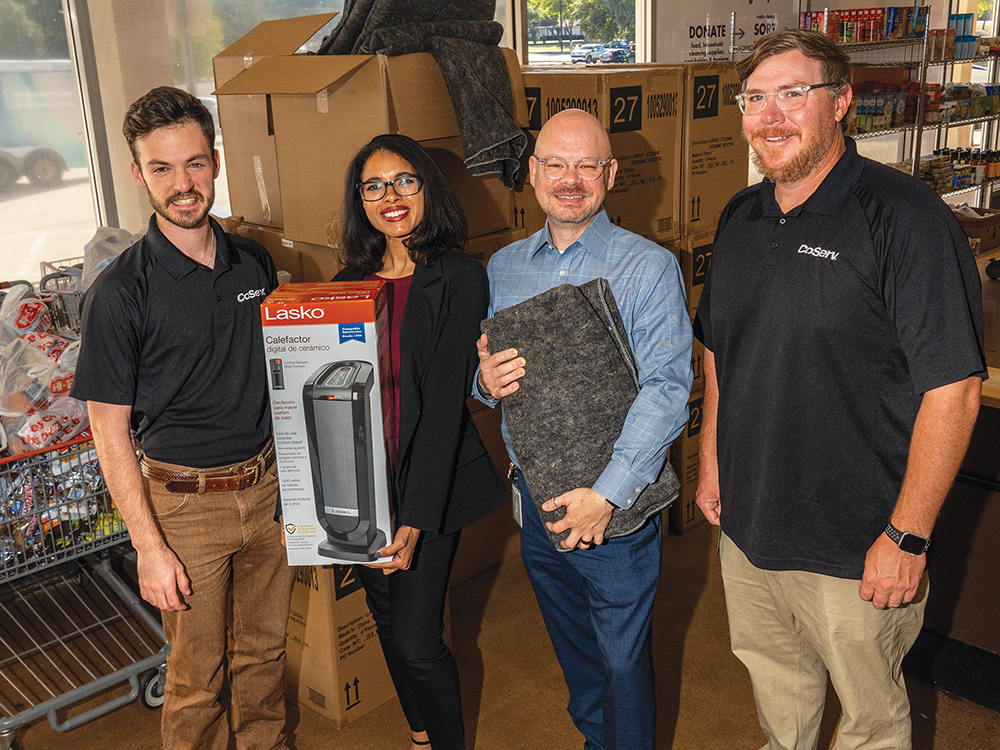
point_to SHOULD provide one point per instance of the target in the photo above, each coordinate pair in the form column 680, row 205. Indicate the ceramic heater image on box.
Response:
column 338, row 426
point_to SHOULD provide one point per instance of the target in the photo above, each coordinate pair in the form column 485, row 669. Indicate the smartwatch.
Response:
column 907, row 540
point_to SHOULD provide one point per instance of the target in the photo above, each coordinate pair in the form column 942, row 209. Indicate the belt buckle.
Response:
column 255, row 473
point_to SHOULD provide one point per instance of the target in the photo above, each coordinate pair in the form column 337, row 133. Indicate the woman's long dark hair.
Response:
column 443, row 226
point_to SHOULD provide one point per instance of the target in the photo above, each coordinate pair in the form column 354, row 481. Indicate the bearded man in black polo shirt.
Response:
column 172, row 349
column 842, row 325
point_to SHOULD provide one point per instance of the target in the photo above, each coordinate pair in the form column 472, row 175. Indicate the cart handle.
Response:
column 105, row 708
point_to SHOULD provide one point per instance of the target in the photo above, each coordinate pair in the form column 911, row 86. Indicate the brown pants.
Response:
column 231, row 550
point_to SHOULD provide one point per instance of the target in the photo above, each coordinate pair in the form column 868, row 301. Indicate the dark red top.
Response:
column 396, row 291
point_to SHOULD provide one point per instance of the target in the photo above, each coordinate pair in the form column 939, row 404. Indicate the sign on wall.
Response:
column 693, row 30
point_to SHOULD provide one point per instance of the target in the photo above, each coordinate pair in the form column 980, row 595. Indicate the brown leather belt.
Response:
column 236, row 478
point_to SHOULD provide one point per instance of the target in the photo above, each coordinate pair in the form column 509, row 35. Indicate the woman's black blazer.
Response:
column 445, row 479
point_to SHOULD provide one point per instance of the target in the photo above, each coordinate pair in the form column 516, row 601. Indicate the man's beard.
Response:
column 186, row 221
column 810, row 154
column 578, row 214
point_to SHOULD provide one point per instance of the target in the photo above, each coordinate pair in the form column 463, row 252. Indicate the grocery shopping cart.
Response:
column 70, row 626
column 60, row 287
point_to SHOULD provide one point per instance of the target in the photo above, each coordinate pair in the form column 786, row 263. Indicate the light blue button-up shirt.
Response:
column 646, row 282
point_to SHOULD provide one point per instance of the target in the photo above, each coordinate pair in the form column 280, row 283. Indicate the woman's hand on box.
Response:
column 404, row 544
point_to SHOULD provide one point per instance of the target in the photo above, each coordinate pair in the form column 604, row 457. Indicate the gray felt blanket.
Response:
column 463, row 38
column 580, row 381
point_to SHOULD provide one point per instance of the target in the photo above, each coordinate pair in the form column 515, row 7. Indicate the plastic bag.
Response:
column 23, row 312
column 35, row 371
column 106, row 245
column 63, row 420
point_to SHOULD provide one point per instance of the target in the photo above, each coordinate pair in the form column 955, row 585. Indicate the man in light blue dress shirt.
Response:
column 597, row 600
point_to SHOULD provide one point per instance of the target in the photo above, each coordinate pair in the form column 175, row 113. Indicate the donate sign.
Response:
column 699, row 30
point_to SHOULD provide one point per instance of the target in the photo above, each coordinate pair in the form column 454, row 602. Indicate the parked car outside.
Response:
column 626, row 50
column 586, row 53
column 614, row 55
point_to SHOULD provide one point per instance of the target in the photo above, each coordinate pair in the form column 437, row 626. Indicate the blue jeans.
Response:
column 598, row 608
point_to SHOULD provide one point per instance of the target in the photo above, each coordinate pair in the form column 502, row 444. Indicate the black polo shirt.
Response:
column 182, row 344
column 827, row 324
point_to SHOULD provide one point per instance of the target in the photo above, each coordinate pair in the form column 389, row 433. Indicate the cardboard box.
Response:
column 334, row 663
column 697, row 366
column 303, row 261
column 639, row 106
column 319, row 110
column 249, row 143
column 986, row 228
column 684, row 513
column 327, row 358
column 490, row 540
column 716, row 159
column 694, row 253
column 991, row 309
column 483, row 248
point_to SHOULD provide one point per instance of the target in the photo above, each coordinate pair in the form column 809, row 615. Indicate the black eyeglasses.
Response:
column 789, row 98
column 404, row 185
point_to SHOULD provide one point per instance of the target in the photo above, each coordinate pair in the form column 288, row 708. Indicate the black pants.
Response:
column 408, row 607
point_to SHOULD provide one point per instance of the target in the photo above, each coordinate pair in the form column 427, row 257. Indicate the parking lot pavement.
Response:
column 547, row 58
column 39, row 224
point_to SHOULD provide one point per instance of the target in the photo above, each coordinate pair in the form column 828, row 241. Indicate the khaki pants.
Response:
column 231, row 549
column 790, row 628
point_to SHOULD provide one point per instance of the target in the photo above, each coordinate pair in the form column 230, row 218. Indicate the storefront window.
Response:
column 581, row 31
column 46, row 204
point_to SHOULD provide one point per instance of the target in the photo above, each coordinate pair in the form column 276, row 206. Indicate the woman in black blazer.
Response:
column 402, row 224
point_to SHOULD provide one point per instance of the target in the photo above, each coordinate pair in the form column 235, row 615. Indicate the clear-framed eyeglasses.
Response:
column 404, row 185
column 788, row 98
column 588, row 169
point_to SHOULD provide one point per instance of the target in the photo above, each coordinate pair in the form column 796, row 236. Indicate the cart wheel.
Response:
column 151, row 696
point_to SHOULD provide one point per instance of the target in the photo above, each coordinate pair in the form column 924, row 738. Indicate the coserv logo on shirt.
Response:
column 818, row 252
column 250, row 294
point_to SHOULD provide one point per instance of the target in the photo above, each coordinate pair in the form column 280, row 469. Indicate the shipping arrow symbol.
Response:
column 347, row 692
column 742, row 33
column 696, row 208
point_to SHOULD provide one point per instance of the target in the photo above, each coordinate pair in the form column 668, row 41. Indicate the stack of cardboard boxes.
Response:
column 675, row 131
column 716, row 160
column 292, row 123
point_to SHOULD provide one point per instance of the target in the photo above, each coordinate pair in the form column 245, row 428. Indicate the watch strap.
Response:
column 897, row 536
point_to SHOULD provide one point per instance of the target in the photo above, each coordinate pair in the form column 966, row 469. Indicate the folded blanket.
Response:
column 571, row 406
column 404, row 38
column 344, row 36
column 479, row 85
column 462, row 37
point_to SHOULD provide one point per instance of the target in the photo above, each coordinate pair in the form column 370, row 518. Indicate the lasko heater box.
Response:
column 338, row 425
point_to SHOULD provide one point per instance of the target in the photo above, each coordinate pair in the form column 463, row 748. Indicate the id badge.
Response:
column 516, row 504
